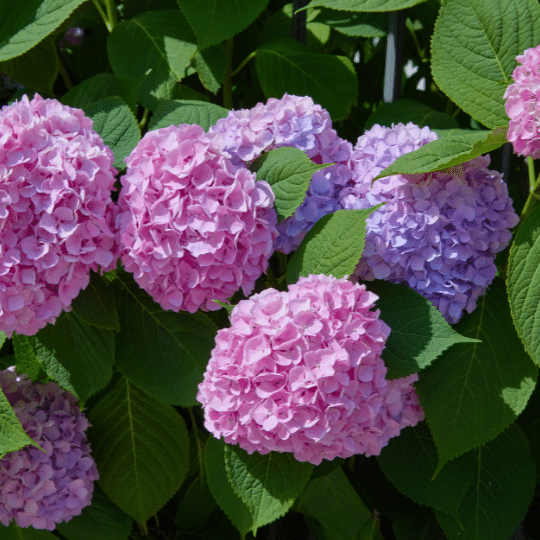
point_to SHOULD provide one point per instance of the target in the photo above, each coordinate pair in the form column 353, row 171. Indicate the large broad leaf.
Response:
column 102, row 520
column 268, row 484
column 289, row 172
column 36, row 68
column 284, row 65
column 101, row 86
column 333, row 246
column 523, row 283
column 118, row 128
column 409, row 462
column 419, row 332
column 13, row 532
column 196, row 506
column 26, row 360
column 163, row 352
column 95, row 304
column 364, row 5
column 473, row 392
column 141, row 449
column 355, row 24
column 454, row 148
column 12, row 435
column 79, row 357
column 158, row 44
column 214, row 21
column 333, row 501
column 25, row 24
column 233, row 506
column 502, row 491
column 473, row 62
column 407, row 110
column 186, row 111
column 413, row 528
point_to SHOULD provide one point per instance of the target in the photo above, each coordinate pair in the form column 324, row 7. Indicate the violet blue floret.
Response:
column 438, row 232
column 301, row 371
column 522, row 104
column 297, row 122
column 41, row 489
column 193, row 226
column 56, row 212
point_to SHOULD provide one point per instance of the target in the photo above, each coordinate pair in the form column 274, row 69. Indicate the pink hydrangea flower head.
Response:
column 522, row 104
column 40, row 489
column 297, row 122
column 438, row 232
column 193, row 226
column 301, row 371
column 56, row 212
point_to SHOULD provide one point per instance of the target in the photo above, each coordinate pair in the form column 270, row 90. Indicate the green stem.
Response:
column 111, row 13
column 534, row 184
column 197, row 440
column 227, row 79
column 144, row 120
column 64, row 74
column 102, row 14
column 242, row 65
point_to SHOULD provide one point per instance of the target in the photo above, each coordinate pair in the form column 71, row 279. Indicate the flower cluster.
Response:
column 193, row 226
column 522, row 104
column 438, row 232
column 301, row 372
column 56, row 212
column 41, row 489
column 295, row 122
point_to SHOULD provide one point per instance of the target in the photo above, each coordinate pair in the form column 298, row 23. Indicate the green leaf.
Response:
column 196, row 506
column 419, row 333
column 455, row 148
column 268, row 484
column 24, row 24
column 163, row 352
column 233, row 506
column 502, row 491
column 27, row 361
column 474, row 392
column 409, row 462
column 355, row 24
column 333, row 246
column 407, row 110
column 160, row 41
column 101, row 86
column 289, row 172
column 334, row 502
column 12, row 435
column 36, row 68
column 472, row 63
column 523, row 283
column 117, row 125
column 413, row 528
column 210, row 64
column 284, row 65
column 184, row 111
column 102, row 520
column 141, row 449
column 364, row 5
column 95, row 306
column 214, row 21
column 79, row 357
column 13, row 532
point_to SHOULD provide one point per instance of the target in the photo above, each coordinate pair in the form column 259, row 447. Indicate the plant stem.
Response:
column 144, row 120
column 197, row 440
column 102, row 14
column 534, row 184
column 112, row 14
column 227, row 79
column 244, row 62
column 64, row 74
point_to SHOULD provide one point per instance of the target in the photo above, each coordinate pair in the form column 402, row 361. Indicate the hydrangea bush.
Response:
column 269, row 270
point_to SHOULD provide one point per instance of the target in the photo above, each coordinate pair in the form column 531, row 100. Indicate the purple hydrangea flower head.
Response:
column 438, row 232
column 301, row 371
column 40, row 489
column 295, row 122
column 56, row 212
column 193, row 226
column 522, row 104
